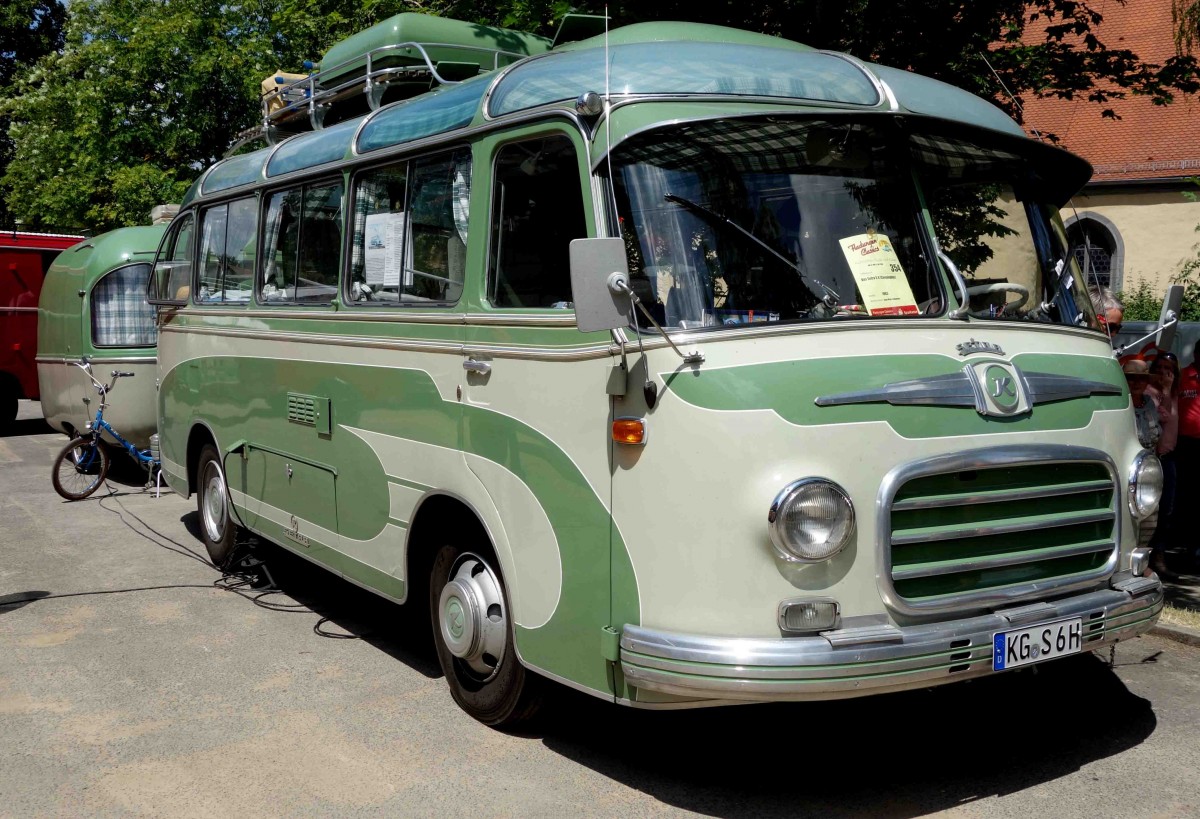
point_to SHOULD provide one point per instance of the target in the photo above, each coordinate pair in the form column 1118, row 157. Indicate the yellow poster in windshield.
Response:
column 880, row 277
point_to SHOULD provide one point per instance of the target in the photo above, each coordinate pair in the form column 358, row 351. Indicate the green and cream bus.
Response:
column 853, row 429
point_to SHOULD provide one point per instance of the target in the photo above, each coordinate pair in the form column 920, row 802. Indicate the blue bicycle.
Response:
column 83, row 463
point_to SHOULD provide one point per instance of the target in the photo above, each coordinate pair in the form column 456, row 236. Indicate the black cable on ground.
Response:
column 231, row 580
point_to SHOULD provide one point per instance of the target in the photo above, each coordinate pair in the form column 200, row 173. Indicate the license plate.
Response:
column 1023, row 646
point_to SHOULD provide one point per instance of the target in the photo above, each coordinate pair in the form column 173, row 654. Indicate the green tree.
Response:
column 28, row 31
column 142, row 96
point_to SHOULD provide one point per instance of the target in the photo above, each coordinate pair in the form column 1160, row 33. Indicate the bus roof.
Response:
column 672, row 61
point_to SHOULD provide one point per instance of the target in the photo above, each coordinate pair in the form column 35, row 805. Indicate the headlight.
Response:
column 811, row 520
column 1145, row 484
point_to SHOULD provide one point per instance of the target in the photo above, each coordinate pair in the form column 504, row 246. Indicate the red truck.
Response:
column 24, row 259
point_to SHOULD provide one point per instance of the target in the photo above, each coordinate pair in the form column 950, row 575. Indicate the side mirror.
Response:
column 1168, row 319
column 596, row 265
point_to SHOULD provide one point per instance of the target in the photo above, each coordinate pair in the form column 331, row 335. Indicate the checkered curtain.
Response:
column 121, row 317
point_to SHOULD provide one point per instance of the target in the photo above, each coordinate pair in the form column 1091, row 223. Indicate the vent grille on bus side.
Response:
column 301, row 409
column 959, row 536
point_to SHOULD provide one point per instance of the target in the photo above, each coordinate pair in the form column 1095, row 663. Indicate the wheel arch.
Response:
column 199, row 435
column 438, row 516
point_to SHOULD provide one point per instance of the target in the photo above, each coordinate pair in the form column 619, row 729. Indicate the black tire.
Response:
column 217, row 529
column 497, row 691
column 79, row 468
column 8, row 403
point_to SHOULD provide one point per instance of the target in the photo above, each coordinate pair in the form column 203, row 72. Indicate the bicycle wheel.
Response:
column 80, row 468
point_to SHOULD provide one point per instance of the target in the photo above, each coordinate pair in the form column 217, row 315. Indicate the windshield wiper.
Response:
column 830, row 297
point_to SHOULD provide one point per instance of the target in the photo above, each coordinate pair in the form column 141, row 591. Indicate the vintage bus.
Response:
column 94, row 304
column 24, row 258
column 859, row 433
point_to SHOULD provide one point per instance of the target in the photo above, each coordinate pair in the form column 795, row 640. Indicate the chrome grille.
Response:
column 997, row 527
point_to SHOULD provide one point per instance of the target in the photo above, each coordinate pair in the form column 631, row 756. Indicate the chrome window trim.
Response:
column 1015, row 455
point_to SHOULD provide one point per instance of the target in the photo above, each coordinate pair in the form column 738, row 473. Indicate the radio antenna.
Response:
column 1013, row 97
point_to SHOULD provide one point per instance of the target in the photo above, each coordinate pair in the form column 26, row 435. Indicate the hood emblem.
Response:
column 971, row 347
column 993, row 388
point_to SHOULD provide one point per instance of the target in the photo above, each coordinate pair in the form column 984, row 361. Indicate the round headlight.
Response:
column 1145, row 484
column 811, row 520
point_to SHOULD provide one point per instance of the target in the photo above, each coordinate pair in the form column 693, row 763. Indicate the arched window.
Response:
column 1097, row 247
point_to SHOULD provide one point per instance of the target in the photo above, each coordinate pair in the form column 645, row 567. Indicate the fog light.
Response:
column 1139, row 561
column 807, row 616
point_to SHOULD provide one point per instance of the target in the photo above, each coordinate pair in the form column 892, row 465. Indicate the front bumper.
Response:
column 853, row 662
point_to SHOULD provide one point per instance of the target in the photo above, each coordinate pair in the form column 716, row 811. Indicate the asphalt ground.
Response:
column 189, row 700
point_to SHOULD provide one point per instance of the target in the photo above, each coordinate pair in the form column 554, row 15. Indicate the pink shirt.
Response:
column 1168, row 416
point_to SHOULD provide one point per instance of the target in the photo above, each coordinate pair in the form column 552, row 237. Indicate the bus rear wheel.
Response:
column 217, row 528
column 472, row 630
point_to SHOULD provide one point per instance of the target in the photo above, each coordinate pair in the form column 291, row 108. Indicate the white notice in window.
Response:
column 879, row 275
column 382, row 254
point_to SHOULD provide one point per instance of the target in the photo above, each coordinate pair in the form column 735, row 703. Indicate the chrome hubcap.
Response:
column 471, row 616
column 213, row 508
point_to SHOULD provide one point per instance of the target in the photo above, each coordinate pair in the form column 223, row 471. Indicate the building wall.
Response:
column 1156, row 231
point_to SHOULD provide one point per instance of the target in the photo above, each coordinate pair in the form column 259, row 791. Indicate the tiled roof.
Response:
column 1149, row 141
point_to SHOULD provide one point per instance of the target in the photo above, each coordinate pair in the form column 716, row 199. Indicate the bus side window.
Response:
column 227, row 251
column 410, row 231
column 302, row 243
column 536, row 211
column 173, row 269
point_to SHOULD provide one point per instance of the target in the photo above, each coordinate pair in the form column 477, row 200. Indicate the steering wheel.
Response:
column 999, row 287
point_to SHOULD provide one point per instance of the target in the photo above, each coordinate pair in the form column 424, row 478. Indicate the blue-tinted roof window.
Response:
column 313, row 149
column 236, row 171
column 685, row 68
column 444, row 110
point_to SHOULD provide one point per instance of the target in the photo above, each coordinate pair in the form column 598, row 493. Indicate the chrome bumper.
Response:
column 853, row 662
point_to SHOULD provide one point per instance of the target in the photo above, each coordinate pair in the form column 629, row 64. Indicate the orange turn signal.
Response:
column 629, row 431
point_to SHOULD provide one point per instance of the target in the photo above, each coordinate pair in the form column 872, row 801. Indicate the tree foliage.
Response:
column 144, row 93
column 29, row 30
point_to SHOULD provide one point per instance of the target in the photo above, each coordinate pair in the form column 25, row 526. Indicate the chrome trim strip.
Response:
column 1000, row 496
column 451, row 348
column 1015, row 455
column 4, row 309
column 1043, row 388
column 1033, row 556
column 1025, row 524
column 826, row 667
column 950, row 390
column 128, row 359
column 415, row 315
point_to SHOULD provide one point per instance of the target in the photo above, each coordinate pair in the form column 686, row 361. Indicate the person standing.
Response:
column 1109, row 311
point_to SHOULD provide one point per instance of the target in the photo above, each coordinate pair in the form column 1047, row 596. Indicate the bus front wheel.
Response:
column 472, row 629
column 217, row 529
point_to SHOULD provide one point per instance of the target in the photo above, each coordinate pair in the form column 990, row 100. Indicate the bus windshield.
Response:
column 738, row 222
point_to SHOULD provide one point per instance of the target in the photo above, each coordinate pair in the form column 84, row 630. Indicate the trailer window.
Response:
column 537, row 210
column 302, row 244
column 227, row 251
column 121, row 316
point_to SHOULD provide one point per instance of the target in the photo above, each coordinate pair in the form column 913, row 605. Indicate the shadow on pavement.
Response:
column 16, row 600
column 902, row 754
column 27, row 426
column 401, row 632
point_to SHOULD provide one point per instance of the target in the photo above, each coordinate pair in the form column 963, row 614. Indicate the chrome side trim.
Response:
column 119, row 359
column 1042, row 388
column 961, row 390
column 4, row 309
column 978, row 600
column 830, row 666
column 448, row 348
column 413, row 315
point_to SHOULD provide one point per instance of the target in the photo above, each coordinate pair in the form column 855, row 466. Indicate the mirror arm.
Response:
column 619, row 283
column 1171, row 321
column 961, row 312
